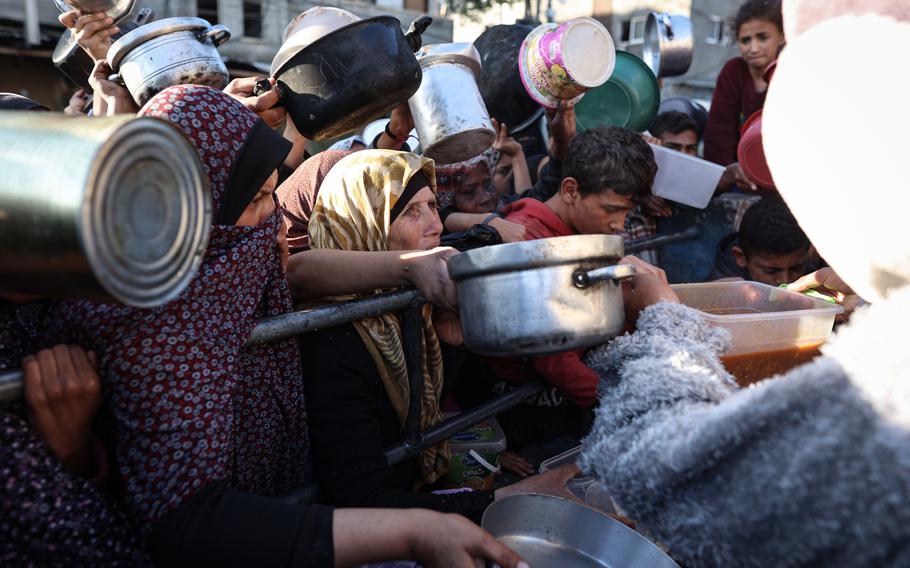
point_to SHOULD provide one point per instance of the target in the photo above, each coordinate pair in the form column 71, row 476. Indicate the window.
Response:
column 207, row 10
column 252, row 19
column 636, row 35
column 715, row 31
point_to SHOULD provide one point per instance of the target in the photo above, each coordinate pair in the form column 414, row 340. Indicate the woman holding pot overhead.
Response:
column 209, row 433
column 742, row 85
column 357, row 386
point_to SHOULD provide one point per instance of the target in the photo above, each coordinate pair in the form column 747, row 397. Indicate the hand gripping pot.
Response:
column 451, row 119
column 543, row 296
column 168, row 52
column 116, row 9
column 108, row 208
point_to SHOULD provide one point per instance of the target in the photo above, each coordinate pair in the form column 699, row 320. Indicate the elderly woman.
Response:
column 357, row 386
column 811, row 468
column 209, row 433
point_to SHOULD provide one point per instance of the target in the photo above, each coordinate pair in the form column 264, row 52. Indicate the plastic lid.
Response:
column 485, row 437
column 588, row 52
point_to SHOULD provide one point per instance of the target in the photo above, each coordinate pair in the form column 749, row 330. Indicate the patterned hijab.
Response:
column 451, row 176
column 47, row 516
column 191, row 404
column 353, row 213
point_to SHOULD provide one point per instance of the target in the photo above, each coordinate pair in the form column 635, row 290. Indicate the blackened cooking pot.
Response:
column 351, row 76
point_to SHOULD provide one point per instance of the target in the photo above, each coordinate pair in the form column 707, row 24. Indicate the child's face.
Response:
column 759, row 43
column 773, row 269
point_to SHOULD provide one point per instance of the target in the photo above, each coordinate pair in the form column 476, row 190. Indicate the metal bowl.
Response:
column 550, row 531
column 630, row 98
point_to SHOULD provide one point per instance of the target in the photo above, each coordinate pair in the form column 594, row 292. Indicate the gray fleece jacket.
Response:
column 809, row 469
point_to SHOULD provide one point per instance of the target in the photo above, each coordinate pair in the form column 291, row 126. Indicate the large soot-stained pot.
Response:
column 110, row 208
column 168, row 52
column 352, row 76
column 542, row 296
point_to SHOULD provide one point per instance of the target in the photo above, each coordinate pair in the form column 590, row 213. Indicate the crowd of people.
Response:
column 157, row 436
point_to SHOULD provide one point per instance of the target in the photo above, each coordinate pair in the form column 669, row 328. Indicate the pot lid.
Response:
column 535, row 254
column 462, row 53
column 150, row 31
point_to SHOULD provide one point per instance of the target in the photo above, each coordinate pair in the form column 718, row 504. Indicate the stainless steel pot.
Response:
column 108, row 208
column 116, row 9
column 172, row 51
column 550, row 531
column 668, row 44
column 542, row 296
column 450, row 116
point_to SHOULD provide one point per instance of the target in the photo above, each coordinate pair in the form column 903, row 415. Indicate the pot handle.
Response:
column 667, row 24
column 616, row 273
column 417, row 28
column 218, row 34
column 263, row 86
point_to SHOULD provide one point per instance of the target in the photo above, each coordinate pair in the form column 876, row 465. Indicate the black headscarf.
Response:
column 12, row 101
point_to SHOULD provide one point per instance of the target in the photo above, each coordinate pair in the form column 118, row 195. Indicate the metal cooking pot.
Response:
column 668, row 44
column 550, row 531
column 116, row 9
column 354, row 75
column 172, row 51
column 77, row 65
column 542, row 296
column 106, row 208
column 451, row 120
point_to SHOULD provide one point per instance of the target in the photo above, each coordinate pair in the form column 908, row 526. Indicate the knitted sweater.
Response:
column 809, row 469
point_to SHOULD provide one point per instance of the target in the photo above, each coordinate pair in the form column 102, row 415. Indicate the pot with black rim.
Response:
column 168, row 52
column 351, row 76
column 542, row 296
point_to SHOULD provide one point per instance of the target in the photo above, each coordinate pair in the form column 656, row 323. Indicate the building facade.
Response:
column 29, row 31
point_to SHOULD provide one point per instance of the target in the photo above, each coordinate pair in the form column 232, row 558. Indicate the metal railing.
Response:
column 409, row 302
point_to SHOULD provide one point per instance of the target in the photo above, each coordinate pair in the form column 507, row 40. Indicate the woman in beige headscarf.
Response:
column 357, row 385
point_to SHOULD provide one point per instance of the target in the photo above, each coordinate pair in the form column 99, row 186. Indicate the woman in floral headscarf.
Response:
column 208, row 431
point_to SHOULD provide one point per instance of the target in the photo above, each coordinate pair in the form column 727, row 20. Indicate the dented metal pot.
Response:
column 172, row 51
column 542, row 296
column 109, row 208
column 449, row 113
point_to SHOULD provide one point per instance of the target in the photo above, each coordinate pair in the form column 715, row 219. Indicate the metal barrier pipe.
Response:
column 278, row 327
column 412, row 342
column 633, row 247
column 412, row 446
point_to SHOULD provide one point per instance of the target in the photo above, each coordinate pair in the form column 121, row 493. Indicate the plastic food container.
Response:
column 475, row 455
column 683, row 178
column 772, row 329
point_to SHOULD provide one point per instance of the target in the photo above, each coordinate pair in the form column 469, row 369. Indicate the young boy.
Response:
column 770, row 247
column 607, row 171
column 676, row 131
